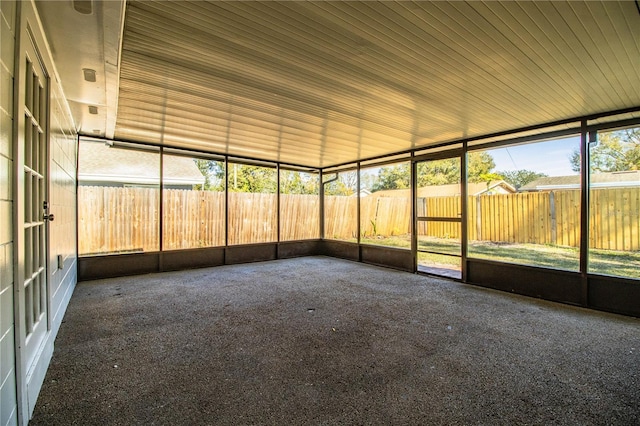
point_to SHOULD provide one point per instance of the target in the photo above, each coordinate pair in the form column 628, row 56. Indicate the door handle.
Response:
column 48, row 217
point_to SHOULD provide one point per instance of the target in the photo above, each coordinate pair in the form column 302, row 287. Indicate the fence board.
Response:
column 634, row 218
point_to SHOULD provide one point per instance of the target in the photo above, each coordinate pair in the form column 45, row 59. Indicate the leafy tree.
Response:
column 367, row 180
column 345, row 184
column 520, row 178
column 213, row 172
column 392, row 177
column 293, row 182
column 439, row 172
column 480, row 167
column 616, row 152
column 249, row 178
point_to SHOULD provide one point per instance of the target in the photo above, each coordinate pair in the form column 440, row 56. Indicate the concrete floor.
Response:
column 317, row 340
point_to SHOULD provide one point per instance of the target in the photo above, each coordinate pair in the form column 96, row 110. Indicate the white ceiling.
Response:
column 87, row 41
column 323, row 83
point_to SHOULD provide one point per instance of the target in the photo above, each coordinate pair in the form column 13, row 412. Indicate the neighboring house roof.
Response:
column 598, row 180
column 496, row 186
column 363, row 193
column 100, row 162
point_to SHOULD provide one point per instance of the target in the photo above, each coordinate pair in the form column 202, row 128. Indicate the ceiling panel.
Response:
column 318, row 83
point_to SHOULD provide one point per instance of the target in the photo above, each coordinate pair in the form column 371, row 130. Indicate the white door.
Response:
column 33, row 293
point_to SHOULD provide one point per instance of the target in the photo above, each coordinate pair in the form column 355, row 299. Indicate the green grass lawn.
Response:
column 401, row 241
column 607, row 262
column 619, row 263
column 567, row 258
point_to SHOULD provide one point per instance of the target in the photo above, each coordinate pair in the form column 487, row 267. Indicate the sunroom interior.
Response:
column 496, row 144
column 358, row 130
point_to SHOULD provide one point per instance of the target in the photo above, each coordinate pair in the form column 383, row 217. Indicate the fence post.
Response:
column 554, row 226
column 478, row 219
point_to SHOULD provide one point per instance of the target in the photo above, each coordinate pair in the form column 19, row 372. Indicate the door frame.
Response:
column 29, row 378
column 461, row 154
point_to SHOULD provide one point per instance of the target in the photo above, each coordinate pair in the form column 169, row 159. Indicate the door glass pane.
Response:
column 614, row 203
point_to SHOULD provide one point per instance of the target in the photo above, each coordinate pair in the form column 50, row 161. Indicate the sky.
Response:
column 550, row 157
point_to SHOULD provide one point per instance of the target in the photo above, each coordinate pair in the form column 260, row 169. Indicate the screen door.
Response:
column 438, row 220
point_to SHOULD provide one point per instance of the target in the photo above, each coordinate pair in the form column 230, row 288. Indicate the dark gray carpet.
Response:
column 323, row 341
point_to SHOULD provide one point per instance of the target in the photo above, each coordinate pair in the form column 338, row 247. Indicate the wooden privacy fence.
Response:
column 534, row 217
column 340, row 217
column 615, row 219
column 299, row 217
column 113, row 219
column 383, row 216
column 542, row 218
column 116, row 219
column 192, row 219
